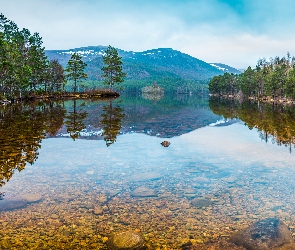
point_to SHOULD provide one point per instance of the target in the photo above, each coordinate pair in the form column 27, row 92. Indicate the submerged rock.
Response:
column 268, row 234
column 128, row 240
column 145, row 176
column 32, row 198
column 201, row 202
column 11, row 204
column 19, row 201
column 143, row 192
column 98, row 211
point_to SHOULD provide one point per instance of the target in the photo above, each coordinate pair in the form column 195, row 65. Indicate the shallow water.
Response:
column 210, row 182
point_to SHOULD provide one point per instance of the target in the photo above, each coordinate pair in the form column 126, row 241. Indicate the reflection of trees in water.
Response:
column 22, row 129
column 153, row 96
column 275, row 123
column 111, row 120
column 75, row 120
column 55, row 118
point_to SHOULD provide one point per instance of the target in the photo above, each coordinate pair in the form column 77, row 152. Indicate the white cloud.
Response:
column 237, row 33
column 240, row 50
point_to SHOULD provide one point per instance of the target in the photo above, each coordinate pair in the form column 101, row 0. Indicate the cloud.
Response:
column 241, row 50
column 237, row 32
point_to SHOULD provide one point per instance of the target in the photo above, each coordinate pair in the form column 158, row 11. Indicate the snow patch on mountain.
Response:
column 218, row 67
column 225, row 68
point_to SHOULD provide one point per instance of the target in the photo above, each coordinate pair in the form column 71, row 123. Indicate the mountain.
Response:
column 146, row 65
column 225, row 68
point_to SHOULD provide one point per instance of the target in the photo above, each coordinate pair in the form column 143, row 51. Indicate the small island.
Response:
column 153, row 92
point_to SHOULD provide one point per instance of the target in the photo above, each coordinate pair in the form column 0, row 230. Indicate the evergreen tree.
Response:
column 56, row 76
column 23, row 64
column 75, row 69
column 215, row 85
column 113, row 67
column 290, row 83
column 248, row 83
column 37, row 62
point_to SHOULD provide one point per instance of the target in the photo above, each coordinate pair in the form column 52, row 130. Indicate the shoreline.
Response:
column 65, row 95
column 264, row 99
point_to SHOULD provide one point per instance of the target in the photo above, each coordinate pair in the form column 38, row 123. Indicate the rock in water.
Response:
column 199, row 203
column 268, row 234
column 143, row 192
column 32, row 198
column 165, row 143
column 9, row 204
column 128, row 240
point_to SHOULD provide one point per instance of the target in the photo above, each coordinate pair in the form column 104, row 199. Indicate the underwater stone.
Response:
column 267, row 234
column 8, row 204
column 201, row 202
column 128, row 240
column 32, row 198
column 143, row 192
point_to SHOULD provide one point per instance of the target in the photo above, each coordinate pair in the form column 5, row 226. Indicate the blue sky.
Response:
column 234, row 32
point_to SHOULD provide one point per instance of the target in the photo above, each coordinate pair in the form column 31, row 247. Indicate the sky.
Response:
column 233, row 32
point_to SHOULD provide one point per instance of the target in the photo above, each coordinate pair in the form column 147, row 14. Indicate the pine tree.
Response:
column 56, row 76
column 113, row 73
column 75, row 69
column 23, row 64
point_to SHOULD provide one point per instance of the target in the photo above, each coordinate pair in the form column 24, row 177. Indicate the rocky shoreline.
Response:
column 64, row 96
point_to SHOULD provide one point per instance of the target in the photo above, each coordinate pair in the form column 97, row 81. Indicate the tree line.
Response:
column 25, row 69
column 273, row 78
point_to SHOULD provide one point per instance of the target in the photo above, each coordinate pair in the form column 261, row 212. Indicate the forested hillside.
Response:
column 274, row 79
column 169, row 68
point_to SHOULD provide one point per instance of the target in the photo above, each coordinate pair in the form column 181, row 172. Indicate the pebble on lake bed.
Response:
column 143, row 192
column 128, row 240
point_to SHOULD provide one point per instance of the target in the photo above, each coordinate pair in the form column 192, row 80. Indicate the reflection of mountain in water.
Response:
column 169, row 124
column 224, row 122
column 274, row 123
column 168, row 117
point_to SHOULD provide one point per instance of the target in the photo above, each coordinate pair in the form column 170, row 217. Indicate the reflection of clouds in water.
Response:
column 236, row 143
column 221, row 146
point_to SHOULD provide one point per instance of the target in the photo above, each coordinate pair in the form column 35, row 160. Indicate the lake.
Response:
column 76, row 172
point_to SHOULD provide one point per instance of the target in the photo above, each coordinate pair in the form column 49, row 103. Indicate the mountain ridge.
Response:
column 148, row 65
